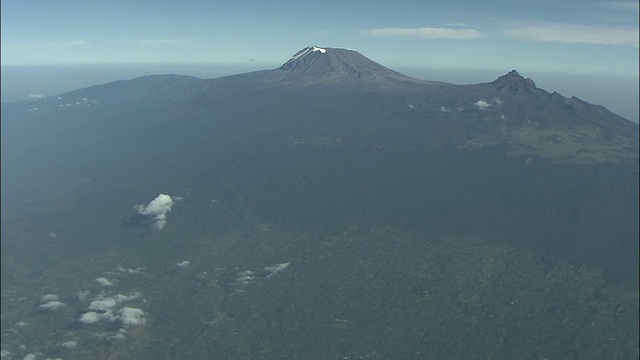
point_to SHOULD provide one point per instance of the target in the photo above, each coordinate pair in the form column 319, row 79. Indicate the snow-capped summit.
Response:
column 308, row 50
column 317, row 64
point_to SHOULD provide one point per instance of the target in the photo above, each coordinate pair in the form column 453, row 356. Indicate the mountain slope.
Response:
column 328, row 208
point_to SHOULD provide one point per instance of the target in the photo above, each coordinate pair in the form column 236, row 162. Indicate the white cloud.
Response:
column 576, row 34
column 5, row 353
column 38, row 96
column 124, row 298
column 69, row 344
column 482, row 105
column 158, row 208
column 21, row 324
column 89, row 317
column 82, row 294
column 184, row 264
column 29, row 357
column 52, row 305
column 246, row 277
column 104, row 281
column 158, row 41
column 31, row 45
column 622, row 5
column 131, row 316
column 49, row 297
column 93, row 316
column 120, row 335
column 103, row 305
column 276, row 268
column 130, row 271
column 423, row 33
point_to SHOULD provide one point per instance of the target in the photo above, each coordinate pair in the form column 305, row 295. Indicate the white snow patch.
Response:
column 306, row 51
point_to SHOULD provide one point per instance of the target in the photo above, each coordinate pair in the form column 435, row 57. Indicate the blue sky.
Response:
column 598, row 37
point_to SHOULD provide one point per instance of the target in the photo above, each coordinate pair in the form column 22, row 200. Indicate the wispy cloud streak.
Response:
column 622, row 5
column 423, row 33
column 44, row 44
column 576, row 34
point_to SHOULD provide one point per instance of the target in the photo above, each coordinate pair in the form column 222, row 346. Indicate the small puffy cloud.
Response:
column 120, row 298
column 94, row 317
column 103, row 281
column 423, row 33
column 49, row 297
column 131, row 316
column 29, row 357
column 130, row 271
column 69, row 344
column 276, row 268
column 20, row 324
column 158, row 208
column 246, row 277
column 577, row 34
column 120, row 335
column 35, row 96
column 52, row 305
column 184, row 264
column 103, row 305
column 482, row 105
column 444, row 109
column 89, row 317
column 82, row 294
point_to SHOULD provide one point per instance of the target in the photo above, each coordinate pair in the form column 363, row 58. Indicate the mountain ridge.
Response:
column 510, row 110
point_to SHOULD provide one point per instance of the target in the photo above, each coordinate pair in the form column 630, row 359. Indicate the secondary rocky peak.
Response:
column 513, row 81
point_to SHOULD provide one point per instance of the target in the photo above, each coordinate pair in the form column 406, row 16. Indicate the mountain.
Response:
column 327, row 208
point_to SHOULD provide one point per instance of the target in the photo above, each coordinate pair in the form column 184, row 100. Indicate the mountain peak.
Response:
column 318, row 64
column 513, row 81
